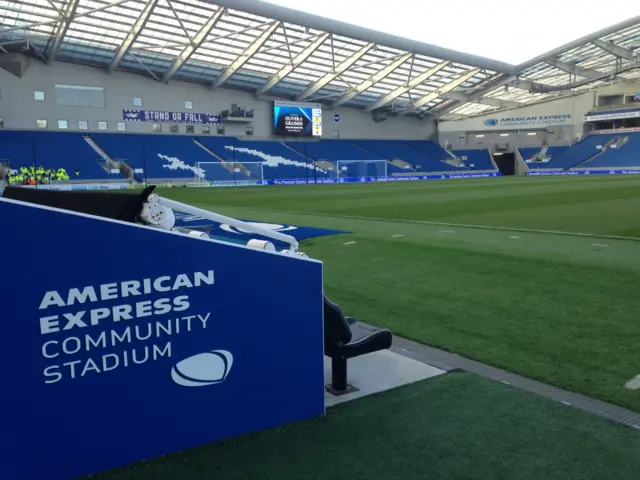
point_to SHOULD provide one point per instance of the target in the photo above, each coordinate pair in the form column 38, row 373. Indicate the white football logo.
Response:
column 203, row 369
column 274, row 227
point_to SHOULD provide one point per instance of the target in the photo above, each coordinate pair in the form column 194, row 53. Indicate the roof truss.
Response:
column 194, row 43
column 269, row 50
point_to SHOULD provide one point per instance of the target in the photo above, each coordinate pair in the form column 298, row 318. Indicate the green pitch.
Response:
column 457, row 426
column 562, row 309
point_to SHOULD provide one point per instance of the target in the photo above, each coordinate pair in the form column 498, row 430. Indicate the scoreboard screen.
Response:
column 297, row 121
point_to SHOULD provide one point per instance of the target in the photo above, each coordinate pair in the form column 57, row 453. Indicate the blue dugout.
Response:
column 123, row 342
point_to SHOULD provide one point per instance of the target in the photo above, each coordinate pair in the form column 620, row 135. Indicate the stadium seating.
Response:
column 67, row 150
column 395, row 150
column 183, row 158
column 551, row 157
column 586, row 154
column 432, row 148
column 475, row 159
column 159, row 156
column 333, row 150
column 626, row 154
column 581, row 151
column 16, row 148
column 278, row 161
column 342, row 342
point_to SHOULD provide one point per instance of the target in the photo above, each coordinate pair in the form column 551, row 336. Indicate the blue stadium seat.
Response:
column 67, row 150
column 553, row 157
column 279, row 162
column 160, row 156
column 475, row 159
column 626, row 155
column 16, row 147
column 333, row 150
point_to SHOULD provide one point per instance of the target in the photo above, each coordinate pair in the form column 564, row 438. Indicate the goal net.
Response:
column 229, row 172
column 361, row 168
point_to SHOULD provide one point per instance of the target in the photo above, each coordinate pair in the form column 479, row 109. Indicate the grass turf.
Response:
column 454, row 426
column 561, row 309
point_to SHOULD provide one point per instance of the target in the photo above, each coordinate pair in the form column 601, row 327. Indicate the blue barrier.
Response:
column 254, row 183
column 112, row 355
column 305, row 181
column 584, row 172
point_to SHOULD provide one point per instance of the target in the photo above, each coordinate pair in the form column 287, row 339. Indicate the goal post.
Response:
column 361, row 168
column 229, row 172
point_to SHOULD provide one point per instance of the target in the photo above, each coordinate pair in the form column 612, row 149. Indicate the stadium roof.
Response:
column 270, row 50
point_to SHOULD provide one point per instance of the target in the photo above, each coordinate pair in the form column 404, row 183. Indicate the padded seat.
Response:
column 341, row 343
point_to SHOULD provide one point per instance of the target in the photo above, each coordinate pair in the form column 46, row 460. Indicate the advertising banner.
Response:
column 617, row 115
column 583, row 172
column 132, row 115
column 130, row 342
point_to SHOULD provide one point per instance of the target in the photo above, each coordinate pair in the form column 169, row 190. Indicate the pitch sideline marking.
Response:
column 599, row 245
column 349, row 243
column 633, row 384
column 396, row 236
column 425, row 222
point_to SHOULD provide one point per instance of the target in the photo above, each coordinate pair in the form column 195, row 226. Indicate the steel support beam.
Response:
column 132, row 36
column 490, row 101
column 489, row 86
column 372, row 80
column 438, row 93
column 196, row 41
column 68, row 15
column 614, row 49
column 53, row 21
column 295, row 63
column 245, row 56
column 605, row 76
column 289, row 15
column 556, row 52
column 413, row 83
column 339, row 70
column 574, row 69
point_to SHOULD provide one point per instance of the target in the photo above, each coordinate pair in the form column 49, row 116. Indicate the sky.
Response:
column 511, row 31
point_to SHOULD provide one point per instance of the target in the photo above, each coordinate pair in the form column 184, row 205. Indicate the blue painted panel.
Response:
column 122, row 343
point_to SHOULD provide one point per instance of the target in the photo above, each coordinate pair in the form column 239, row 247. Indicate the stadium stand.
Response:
column 395, row 150
column 55, row 150
column 543, row 157
column 333, row 150
column 475, row 159
column 177, row 157
column 160, row 156
column 619, row 151
column 593, row 151
column 279, row 161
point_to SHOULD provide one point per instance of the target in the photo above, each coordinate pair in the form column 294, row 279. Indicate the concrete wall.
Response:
column 557, row 122
column 19, row 110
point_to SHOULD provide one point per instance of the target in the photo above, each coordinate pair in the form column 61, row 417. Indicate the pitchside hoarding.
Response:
column 121, row 343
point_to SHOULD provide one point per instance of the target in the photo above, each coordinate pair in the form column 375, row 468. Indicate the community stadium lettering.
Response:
column 528, row 121
column 157, row 322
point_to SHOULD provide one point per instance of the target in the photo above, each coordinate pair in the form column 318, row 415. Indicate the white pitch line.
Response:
column 349, row 243
column 422, row 222
column 599, row 245
column 396, row 236
column 634, row 383
column 512, row 236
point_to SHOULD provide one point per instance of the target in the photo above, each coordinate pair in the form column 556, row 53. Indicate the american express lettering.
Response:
column 72, row 323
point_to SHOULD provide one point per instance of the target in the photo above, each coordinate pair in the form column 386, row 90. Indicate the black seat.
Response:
column 341, row 343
